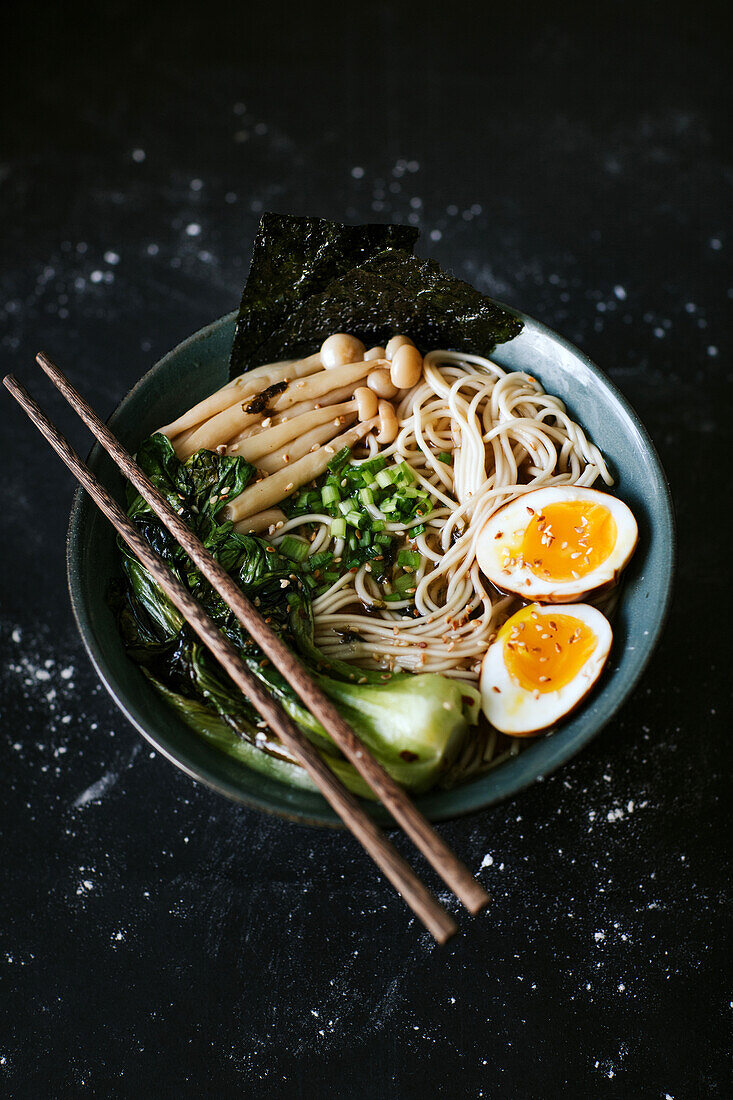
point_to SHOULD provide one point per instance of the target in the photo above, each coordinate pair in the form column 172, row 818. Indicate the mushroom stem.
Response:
column 306, row 442
column 331, row 400
column 270, row 491
column 261, row 521
column 245, row 385
column 269, row 441
column 228, row 423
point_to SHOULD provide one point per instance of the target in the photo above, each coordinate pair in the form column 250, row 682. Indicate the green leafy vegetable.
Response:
column 415, row 725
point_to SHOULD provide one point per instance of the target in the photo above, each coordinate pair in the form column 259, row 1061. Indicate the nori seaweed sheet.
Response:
column 395, row 292
column 293, row 258
column 310, row 278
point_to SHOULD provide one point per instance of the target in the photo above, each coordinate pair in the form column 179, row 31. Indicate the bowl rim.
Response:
column 523, row 777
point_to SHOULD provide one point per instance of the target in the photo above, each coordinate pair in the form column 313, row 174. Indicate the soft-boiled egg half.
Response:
column 542, row 662
column 555, row 545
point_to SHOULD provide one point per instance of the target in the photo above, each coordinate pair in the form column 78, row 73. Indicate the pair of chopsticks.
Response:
column 435, row 918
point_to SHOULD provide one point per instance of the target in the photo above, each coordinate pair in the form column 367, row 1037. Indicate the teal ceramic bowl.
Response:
column 197, row 367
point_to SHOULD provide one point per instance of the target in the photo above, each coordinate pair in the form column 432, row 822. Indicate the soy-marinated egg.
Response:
column 556, row 545
column 543, row 661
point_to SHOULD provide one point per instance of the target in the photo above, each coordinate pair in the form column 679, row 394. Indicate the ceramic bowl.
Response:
column 197, row 367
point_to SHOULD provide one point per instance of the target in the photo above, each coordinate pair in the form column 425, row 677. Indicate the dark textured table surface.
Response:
column 158, row 941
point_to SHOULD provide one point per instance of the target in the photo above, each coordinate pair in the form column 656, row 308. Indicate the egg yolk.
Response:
column 545, row 652
column 568, row 539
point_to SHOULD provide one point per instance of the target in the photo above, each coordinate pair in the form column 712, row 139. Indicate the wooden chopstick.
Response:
column 438, row 922
column 454, row 873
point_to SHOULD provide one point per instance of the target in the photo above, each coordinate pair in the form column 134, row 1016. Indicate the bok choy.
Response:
column 414, row 724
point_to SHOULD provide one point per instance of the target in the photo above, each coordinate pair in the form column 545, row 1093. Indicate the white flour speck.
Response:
column 94, row 792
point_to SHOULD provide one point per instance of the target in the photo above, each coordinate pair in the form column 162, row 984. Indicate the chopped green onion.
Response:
column 388, row 506
column 419, row 530
column 320, row 559
column 406, row 472
column 445, row 456
column 373, row 465
column 355, row 518
column 386, row 478
column 338, row 528
column 378, row 525
column 366, row 496
column 383, row 538
column 339, row 460
column 412, row 558
column 330, row 494
column 294, row 548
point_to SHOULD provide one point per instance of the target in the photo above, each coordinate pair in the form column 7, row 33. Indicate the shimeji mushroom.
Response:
column 261, row 521
column 246, row 385
column 225, row 425
column 272, row 439
column 330, row 401
column 304, row 444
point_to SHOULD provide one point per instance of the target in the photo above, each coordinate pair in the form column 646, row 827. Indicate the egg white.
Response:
column 503, row 533
column 512, row 708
